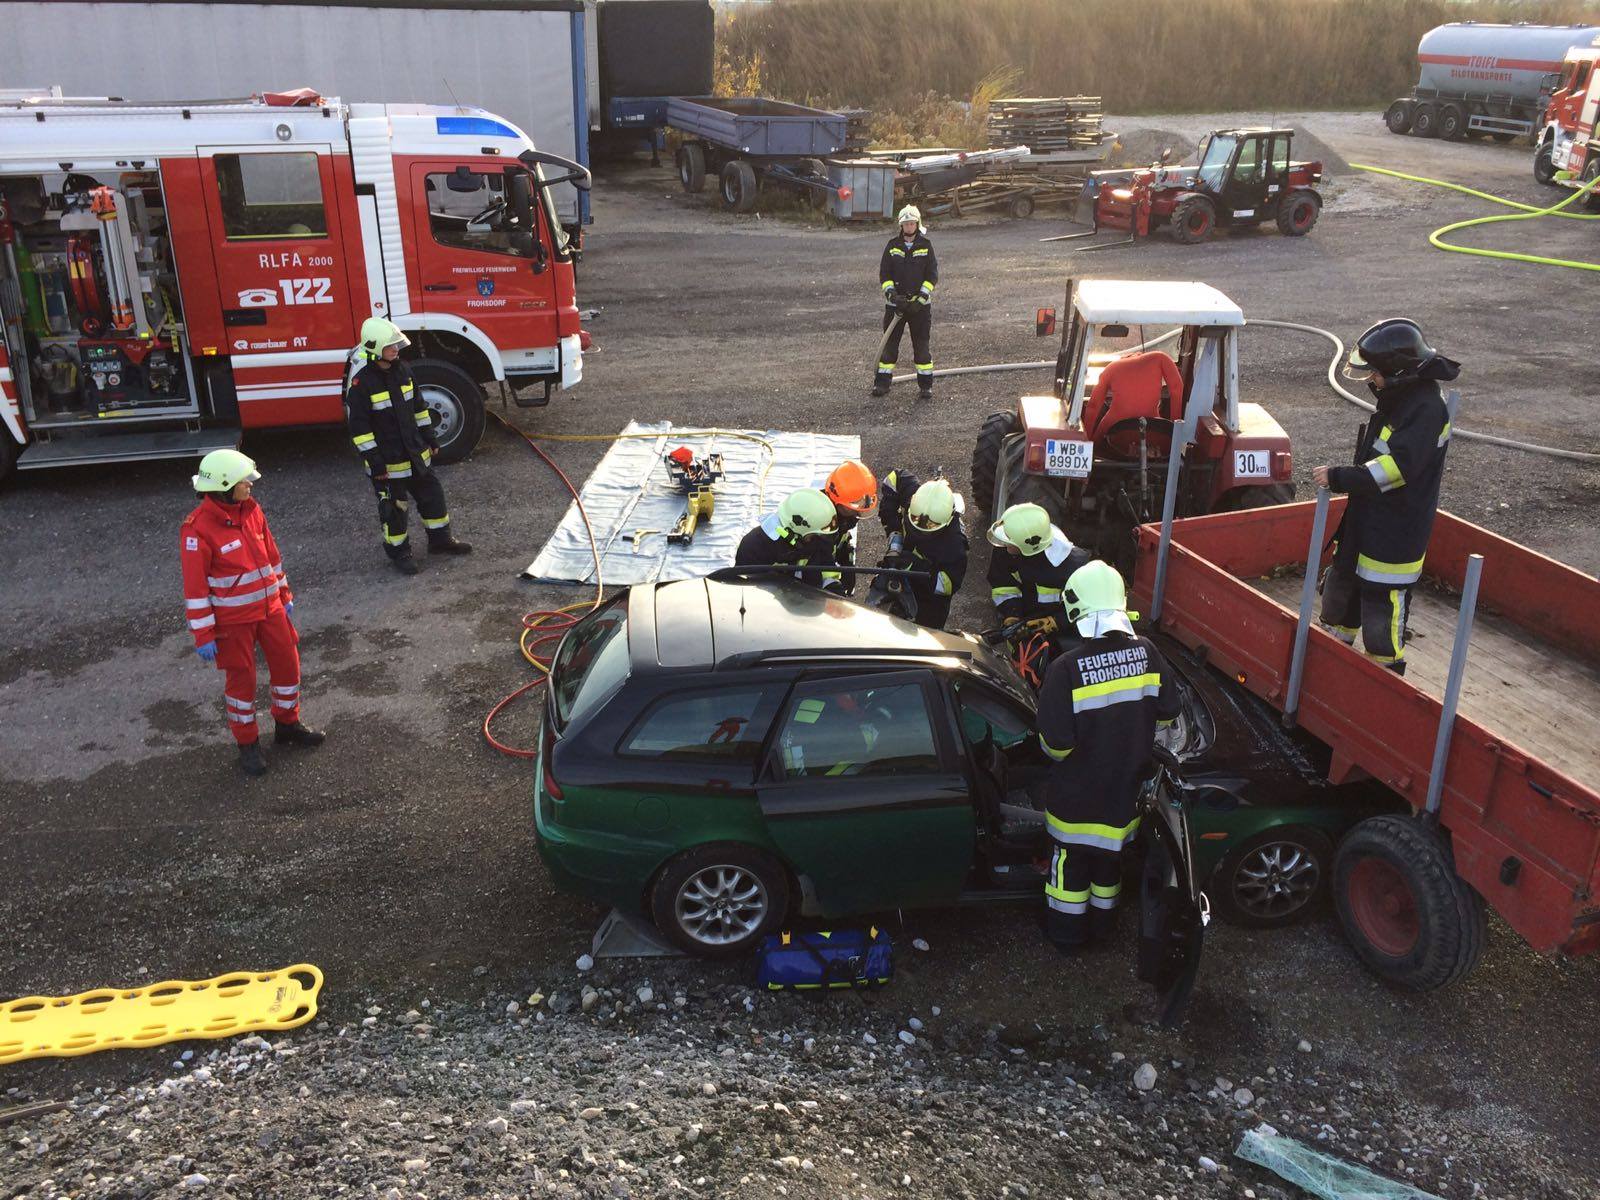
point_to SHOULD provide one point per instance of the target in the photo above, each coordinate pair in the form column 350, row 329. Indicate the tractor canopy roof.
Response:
column 1153, row 302
column 1250, row 132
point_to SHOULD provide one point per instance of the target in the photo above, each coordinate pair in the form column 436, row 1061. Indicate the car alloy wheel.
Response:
column 1275, row 880
column 721, row 904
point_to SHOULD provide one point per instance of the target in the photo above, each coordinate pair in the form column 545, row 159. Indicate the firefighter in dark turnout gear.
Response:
column 908, row 272
column 801, row 533
column 1099, row 710
column 1031, row 563
column 923, row 524
column 1393, row 489
column 392, row 429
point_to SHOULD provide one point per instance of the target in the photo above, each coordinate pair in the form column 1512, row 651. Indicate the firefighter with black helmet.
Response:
column 908, row 273
column 1099, row 709
column 392, row 428
column 1393, row 489
column 923, row 524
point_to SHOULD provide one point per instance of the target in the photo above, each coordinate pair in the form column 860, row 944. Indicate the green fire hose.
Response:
column 1527, row 212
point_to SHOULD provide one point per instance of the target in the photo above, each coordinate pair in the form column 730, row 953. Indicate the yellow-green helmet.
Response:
column 379, row 333
column 808, row 512
column 1025, row 526
column 1092, row 588
column 224, row 470
column 932, row 506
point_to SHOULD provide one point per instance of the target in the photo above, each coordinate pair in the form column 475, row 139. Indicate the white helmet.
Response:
column 910, row 213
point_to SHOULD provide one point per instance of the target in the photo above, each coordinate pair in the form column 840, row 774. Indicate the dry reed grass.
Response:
column 905, row 58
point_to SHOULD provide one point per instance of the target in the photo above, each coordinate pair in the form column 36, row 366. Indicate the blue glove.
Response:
column 289, row 608
column 208, row 652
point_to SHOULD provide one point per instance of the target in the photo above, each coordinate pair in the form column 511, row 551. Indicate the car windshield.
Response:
column 1214, row 165
column 591, row 662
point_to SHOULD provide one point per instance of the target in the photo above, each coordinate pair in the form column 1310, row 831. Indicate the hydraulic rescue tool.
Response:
column 693, row 477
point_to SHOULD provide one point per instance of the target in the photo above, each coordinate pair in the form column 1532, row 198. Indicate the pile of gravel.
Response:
column 1141, row 147
column 641, row 1090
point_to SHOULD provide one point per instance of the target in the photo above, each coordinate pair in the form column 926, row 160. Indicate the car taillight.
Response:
column 547, row 752
column 551, row 788
column 1282, row 464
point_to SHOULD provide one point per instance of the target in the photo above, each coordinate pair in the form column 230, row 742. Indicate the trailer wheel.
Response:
column 1298, row 214
column 1193, row 220
column 1425, row 121
column 739, row 186
column 986, row 455
column 1408, row 915
column 457, row 404
column 1544, row 167
column 1398, row 117
column 692, row 166
column 1452, row 123
column 1022, row 207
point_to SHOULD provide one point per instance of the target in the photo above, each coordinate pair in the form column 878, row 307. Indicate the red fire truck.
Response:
column 1568, row 141
column 174, row 274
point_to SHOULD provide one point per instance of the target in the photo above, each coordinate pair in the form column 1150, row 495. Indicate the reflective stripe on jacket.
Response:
column 389, row 421
column 232, row 570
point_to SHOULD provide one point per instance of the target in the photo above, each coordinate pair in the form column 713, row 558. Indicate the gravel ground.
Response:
column 400, row 856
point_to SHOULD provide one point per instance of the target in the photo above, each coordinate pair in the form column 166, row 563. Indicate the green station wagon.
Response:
column 721, row 754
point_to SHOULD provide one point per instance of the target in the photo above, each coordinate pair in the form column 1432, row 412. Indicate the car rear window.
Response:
column 711, row 726
column 591, row 663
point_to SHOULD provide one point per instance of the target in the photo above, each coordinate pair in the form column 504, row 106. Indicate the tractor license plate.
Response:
column 1069, row 459
column 1252, row 464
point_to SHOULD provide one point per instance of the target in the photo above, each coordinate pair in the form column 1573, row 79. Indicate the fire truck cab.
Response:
column 174, row 274
column 1568, row 141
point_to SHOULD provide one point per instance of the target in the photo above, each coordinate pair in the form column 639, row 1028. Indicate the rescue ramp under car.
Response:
column 632, row 505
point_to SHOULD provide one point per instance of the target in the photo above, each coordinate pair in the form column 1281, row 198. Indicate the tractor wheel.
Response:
column 1298, row 214
column 457, row 404
column 739, row 189
column 1266, row 495
column 1452, row 123
column 1049, row 494
column 986, row 455
column 1193, row 220
column 1413, row 921
column 692, row 166
column 1425, row 121
column 1591, row 172
column 1398, row 117
column 1544, row 167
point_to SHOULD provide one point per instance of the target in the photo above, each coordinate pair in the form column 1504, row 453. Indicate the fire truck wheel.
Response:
column 1591, row 171
column 692, row 166
column 8, row 456
column 1425, row 121
column 986, row 455
column 1298, row 214
column 457, row 404
column 1410, row 918
column 1452, row 123
column 1398, row 117
column 739, row 187
column 1193, row 220
column 1544, row 167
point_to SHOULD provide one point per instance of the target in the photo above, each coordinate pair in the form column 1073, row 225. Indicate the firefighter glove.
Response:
column 208, row 652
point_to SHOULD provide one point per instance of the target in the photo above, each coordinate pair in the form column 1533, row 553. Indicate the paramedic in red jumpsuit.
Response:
column 236, row 596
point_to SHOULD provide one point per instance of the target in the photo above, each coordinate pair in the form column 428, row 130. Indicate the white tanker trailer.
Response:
column 1475, row 79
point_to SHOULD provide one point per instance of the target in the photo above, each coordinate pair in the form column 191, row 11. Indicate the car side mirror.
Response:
column 1044, row 322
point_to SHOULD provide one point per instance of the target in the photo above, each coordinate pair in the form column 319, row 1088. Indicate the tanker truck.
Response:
column 1478, row 79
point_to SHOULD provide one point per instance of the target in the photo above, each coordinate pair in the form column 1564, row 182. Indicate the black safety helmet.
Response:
column 1394, row 348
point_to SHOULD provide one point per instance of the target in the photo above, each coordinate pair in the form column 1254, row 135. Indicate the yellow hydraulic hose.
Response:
column 1528, row 213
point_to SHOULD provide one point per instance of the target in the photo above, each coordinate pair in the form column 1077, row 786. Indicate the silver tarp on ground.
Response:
column 629, row 493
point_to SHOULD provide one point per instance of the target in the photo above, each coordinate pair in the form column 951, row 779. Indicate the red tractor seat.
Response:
column 1130, row 388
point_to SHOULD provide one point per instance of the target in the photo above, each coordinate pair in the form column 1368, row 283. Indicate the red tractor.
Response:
column 1245, row 177
column 1140, row 364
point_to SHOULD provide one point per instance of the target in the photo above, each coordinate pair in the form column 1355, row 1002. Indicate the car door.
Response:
column 863, row 795
column 1173, row 911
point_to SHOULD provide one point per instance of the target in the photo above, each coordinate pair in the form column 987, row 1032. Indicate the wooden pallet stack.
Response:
column 1046, row 124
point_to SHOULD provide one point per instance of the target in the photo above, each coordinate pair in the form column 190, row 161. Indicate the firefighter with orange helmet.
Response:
column 392, row 428
column 854, row 492
column 236, row 597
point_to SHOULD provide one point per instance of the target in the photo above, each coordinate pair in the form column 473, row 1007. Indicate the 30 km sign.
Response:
column 1252, row 464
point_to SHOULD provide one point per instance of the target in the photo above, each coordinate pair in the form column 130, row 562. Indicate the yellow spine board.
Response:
column 173, row 1011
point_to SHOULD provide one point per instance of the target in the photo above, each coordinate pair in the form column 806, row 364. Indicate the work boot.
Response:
column 448, row 544
column 404, row 563
column 880, row 389
column 925, row 391
column 297, row 734
column 881, row 382
column 250, row 760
